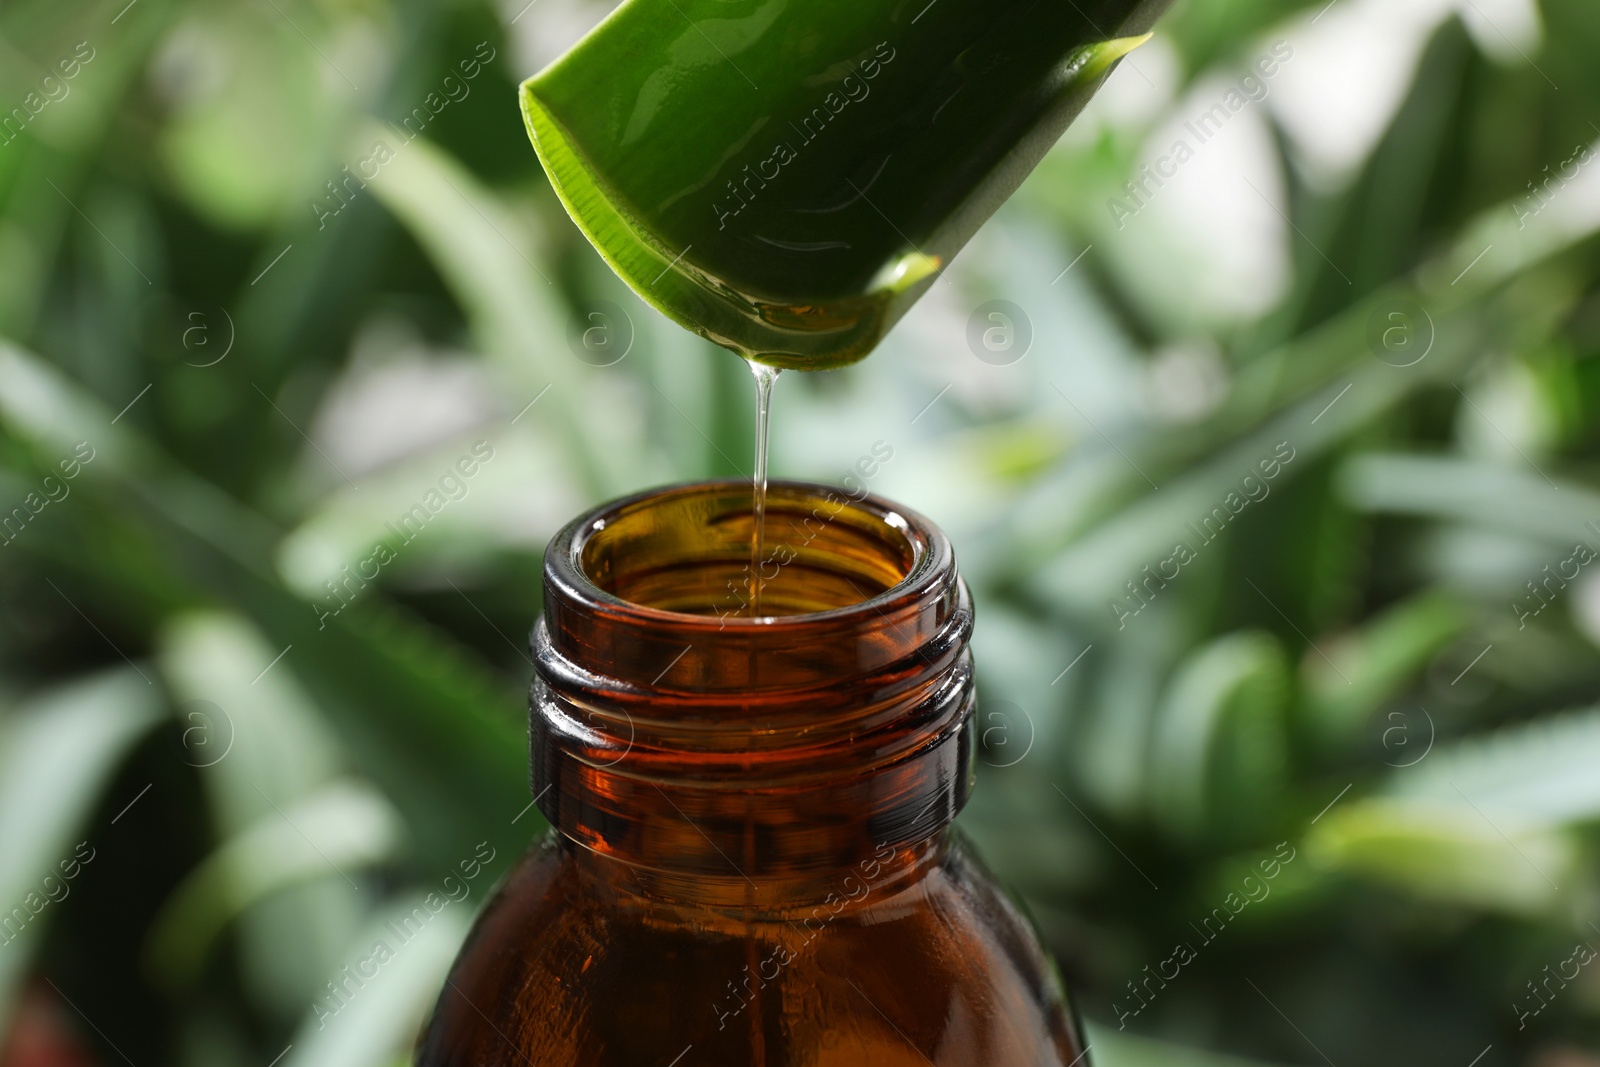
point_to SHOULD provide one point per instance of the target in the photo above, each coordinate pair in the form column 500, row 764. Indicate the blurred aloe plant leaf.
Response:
column 376, row 1024
column 1222, row 740
column 1372, row 665
column 450, row 737
column 1451, row 854
column 192, row 177
column 65, row 743
column 1120, row 1049
column 348, row 828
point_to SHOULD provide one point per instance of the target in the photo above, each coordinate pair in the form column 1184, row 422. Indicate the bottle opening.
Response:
column 688, row 551
column 653, row 591
column 672, row 730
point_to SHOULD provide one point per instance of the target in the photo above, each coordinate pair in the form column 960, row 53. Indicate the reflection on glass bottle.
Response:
column 751, row 861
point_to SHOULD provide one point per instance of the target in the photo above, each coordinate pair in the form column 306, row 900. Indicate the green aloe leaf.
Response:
column 1489, row 822
column 379, row 1019
column 1449, row 853
column 1541, row 772
column 1116, row 1048
column 1374, row 664
column 348, row 827
column 481, row 253
column 261, row 747
column 1221, row 747
column 787, row 179
column 59, row 752
column 452, row 743
column 1450, row 489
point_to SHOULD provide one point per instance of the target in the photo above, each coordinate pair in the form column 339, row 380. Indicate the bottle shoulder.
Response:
column 945, row 968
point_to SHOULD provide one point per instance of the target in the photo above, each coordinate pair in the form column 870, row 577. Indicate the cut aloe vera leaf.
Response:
column 787, row 178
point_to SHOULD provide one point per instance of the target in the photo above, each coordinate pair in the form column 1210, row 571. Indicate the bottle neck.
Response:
column 727, row 758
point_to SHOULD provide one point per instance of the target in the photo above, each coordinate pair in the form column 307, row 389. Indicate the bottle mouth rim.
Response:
column 646, row 721
column 928, row 558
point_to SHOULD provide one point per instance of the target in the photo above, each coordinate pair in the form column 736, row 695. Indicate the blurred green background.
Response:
column 1321, row 385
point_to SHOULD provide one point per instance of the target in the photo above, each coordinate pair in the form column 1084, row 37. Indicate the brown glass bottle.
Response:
column 751, row 863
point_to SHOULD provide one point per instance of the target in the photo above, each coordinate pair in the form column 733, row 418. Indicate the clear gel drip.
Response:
column 765, row 376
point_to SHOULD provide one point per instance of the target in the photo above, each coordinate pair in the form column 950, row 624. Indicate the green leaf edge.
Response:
column 706, row 306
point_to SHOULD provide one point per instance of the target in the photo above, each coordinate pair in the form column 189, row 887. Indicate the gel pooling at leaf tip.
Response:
column 692, row 296
column 699, row 301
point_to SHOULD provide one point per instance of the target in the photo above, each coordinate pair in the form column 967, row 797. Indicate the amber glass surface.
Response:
column 752, row 861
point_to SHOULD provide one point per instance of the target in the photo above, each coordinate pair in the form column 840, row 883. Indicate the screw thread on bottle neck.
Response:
column 657, row 743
